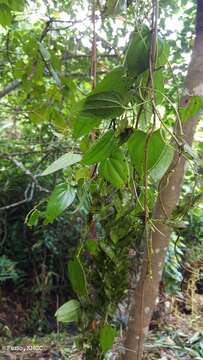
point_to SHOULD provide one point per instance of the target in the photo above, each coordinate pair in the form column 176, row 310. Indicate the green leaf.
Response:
column 107, row 249
column 101, row 149
column 137, row 56
column 103, row 105
column 82, row 173
column 105, row 101
column 5, row 15
column 163, row 52
column 151, row 197
column 107, row 336
column 68, row 312
column 114, row 8
column 82, row 125
column 77, row 277
column 136, row 147
column 116, row 80
column 62, row 162
column 114, row 169
column 92, row 246
column 163, row 164
column 194, row 106
column 17, row 5
column 158, row 82
column 61, row 198
column 119, row 232
column 144, row 86
column 33, row 218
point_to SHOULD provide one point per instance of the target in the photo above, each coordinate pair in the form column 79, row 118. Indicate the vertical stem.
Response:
column 94, row 48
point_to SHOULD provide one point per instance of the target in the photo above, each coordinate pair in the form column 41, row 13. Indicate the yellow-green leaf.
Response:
column 68, row 312
column 107, row 336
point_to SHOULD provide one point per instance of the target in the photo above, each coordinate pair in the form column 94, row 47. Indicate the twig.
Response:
column 27, row 198
column 110, row 46
column 26, row 171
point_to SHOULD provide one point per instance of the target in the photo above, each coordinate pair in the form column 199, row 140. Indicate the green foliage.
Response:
column 8, row 269
column 107, row 335
column 102, row 149
column 77, row 278
column 62, row 197
column 68, row 312
column 194, row 106
column 137, row 56
column 114, row 169
column 116, row 80
column 103, row 105
column 162, row 165
column 152, row 147
column 104, row 224
column 144, row 90
column 83, row 125
column 61, row 163
column 6, row 9
column 114, row 8
column 5, row 15
column 33, row 217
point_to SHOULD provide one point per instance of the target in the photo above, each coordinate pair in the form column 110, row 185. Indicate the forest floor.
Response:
column 173, row 336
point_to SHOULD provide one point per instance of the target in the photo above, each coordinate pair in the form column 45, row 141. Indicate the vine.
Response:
column 121, row 172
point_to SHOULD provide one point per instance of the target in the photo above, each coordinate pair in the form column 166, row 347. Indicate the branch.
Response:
column 17, row 82
column 67, row 56
column 26, row 171
column 10, row 87
column 27, row 198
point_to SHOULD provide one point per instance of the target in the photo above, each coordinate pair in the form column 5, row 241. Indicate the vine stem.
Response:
column 94, row 48
column 152, row 65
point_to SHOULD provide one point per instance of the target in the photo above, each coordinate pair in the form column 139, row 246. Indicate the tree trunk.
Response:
column 146, row 288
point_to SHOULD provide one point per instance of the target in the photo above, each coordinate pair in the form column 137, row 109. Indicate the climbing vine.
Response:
column 121, row 148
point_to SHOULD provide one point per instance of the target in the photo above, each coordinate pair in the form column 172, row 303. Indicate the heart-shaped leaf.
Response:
column 137, row 147
column 101, row 149
column 137, row 56
column 114, row 169
column 62, row 197
column 103, row 105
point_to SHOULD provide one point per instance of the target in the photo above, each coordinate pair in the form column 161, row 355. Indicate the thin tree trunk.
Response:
column 146, row 289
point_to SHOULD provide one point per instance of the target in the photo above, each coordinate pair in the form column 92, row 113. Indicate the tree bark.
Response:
column 146, row 287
